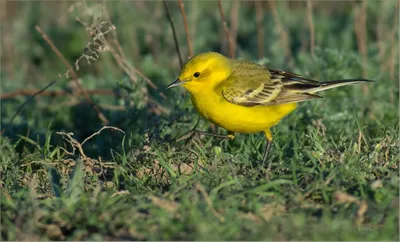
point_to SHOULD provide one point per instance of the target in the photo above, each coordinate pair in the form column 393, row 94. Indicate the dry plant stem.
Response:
column 98, row 132
column 118, row 45
column 311, row 26
column 56, row 93
column 393, row 41
column 27, row 100
column 260, row 28
column 130, row 70
column 74, row 102
column 127, row 68
column 234, row 23
column 226, row 30
column 282, row 32
column 360, row 22
column 381, row 31
column 77, row 145
column 185, row 23
column 74, row 76
column 173, row 33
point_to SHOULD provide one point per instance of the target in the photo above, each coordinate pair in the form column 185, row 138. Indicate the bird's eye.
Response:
column 196, row 74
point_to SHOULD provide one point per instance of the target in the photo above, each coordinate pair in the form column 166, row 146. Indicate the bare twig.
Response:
column 226, row 29
column 173, row 33
column 130, row 71
column 76, row 145
column 260, row 28
column 393, row 41
column 311, row 26
column 360, row 22
column 122, row 61
column 30, row 98
column 234, row 24
column 74, row 102
column 381, row 32
column 98, row 132
column 56, row 93
column 74, row 76
column 185, row 23
column 282, row 32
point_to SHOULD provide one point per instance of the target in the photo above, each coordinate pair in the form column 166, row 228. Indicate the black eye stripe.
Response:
column 196, row 74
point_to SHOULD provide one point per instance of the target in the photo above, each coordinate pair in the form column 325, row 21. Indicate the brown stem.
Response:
column 26, row 101
column 55, row 93
column 227, row 33
column 282, row 32
column 260, row 28
column 74, row 76
column 234, row 23
column 185, row 23
column 393, row 41
column 381, row 32
column 361, row 35
column 173, row 33
column 311, row 26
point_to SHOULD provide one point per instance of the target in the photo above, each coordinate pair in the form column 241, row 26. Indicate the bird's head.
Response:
column 205, row 70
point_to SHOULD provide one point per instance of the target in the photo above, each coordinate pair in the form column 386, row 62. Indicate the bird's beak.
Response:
column 177, row 82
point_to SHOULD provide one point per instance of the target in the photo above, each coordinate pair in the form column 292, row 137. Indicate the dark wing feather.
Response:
column 252, row 84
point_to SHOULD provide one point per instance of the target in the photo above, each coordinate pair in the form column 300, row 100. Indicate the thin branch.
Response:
column 234, row 21
column 56, row 93
column 361, row 35
column 393, row 41
column 74, row 76
column 185, row 23
column 311, row 26
column 74, row 102
column 173, row 32
column 122, row 60
column 260, row 28
column 226, row 29
column 282, row 32
column 27, row 100
column 381, row 32
column 360, row 22
column 98, row 132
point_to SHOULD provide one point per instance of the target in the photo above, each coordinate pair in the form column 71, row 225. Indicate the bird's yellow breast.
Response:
column 215, row 108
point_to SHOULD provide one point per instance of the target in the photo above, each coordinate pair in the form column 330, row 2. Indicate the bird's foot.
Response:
column 192, row 133
column 266, row 154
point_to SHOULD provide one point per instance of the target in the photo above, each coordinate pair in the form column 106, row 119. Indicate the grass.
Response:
column 333, row 172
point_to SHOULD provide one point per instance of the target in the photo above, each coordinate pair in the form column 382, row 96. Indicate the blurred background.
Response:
column 123, row 86
column 333, row 169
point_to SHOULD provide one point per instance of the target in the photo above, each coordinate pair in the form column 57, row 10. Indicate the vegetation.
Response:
column 333, row 172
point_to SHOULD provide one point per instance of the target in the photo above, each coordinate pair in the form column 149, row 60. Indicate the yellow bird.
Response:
column 245, row 97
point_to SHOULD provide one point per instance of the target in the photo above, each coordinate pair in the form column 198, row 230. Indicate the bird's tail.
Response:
column 336, row 83
column 299, row 89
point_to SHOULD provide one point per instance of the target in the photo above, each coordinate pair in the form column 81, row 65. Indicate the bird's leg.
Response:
column 268, row 136
column 266, row 152
column 189, row 135
column 194, row 131
column 230, row 135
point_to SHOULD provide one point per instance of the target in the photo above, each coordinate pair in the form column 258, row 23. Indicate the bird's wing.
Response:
column 251, row 84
